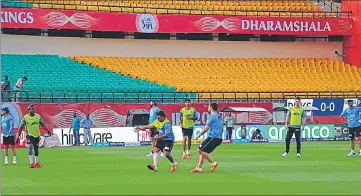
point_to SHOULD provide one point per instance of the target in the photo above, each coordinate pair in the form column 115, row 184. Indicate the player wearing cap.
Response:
column 215, row 127
column 354, row 126
column 154, row 109
column 7, row 129
column 32, row 122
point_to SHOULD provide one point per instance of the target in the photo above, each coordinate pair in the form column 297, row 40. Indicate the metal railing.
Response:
column 47, row 96
column 99, row 6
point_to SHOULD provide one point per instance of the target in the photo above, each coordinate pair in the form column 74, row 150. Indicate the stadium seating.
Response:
column 51, row 72
column 237, row 75
column 15, row 4
column 205, row 7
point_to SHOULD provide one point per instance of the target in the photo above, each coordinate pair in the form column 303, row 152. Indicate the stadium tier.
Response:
column 51, row 72
column 248, row 7
column 15, row 4
column 237, row 75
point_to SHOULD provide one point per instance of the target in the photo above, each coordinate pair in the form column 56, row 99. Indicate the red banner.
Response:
column 114, row 115
column 148, row 23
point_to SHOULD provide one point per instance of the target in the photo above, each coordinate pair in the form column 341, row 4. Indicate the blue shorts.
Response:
column 209, row 144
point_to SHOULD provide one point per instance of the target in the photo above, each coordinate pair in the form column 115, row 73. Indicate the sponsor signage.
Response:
column 150, row 23
column 132, row 143
column 100, row 135
column 145, row 143
column 116, row 143
column 276, row 132
column 260, row 140
column 341, row 132
column 240, row 141
column 226, row 141
column 101, row 144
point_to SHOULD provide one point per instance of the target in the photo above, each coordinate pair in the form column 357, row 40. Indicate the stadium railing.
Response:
column 145, row 10
column 47, row 96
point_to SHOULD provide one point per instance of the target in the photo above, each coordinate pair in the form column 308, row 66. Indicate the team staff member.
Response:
column 76, row 127
column 165, row 142
column 295, row 123
column 188, row 116
column 32, row 122
column 154, row 109
column 87, row 124
column 229, row 126
column 354, row 126
column 7, row 129
column 214, row 139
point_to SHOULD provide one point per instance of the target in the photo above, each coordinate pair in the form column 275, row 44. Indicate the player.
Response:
column 164, row 143
column 154, row 109
column 354, row 126
column 187, row 121
column 7, row 129
column 32, row 122
column 214, row 139
column 294, row 124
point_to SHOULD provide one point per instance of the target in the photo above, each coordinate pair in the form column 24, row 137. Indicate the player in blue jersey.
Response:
column 154, row 109
column 214, row 126
column 354, row 126
column 7, row 129
column 165, row 142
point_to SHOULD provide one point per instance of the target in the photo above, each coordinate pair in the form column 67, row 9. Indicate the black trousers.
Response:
column 290, row 132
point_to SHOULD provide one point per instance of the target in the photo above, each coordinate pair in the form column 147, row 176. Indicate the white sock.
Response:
column 14, row 158
column 352, row 151
column 6, row 159
column 36, row 159
column 155, row 158
column 188, row 151
column 31, row 159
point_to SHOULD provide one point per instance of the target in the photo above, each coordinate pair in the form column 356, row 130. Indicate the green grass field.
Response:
column 243, row 169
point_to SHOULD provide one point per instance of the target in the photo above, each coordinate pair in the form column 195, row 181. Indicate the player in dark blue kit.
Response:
column 215, row 127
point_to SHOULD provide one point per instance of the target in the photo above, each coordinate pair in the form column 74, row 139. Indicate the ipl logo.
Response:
column 147, row 23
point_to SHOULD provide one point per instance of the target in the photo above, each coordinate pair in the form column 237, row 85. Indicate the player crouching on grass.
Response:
column 164, row 141
column 32, row 122
column 214, row 139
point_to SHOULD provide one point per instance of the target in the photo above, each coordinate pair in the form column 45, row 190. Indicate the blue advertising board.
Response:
column 328, row 107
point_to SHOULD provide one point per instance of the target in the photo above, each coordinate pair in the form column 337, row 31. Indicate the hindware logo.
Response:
column 59, row 19
column 235, row 24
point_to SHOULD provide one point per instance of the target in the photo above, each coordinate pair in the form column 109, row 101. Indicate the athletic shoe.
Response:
column 149, row 155
column 359, row 154
column 189, row 156
column 6, row 163
column 174, row 167
column 32, row 165
column 37, row 165
column 152, row 167
column 213, row 166
column 184, row 156
column 351, row 154
column 196, row 170
column 14, row 162
column 285, row 154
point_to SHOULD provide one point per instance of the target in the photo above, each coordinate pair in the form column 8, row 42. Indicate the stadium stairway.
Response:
column 289, row 8
column 51, row 72
column 237, row 75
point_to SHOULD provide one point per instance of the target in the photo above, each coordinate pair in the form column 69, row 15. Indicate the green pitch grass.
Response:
column 243, row 169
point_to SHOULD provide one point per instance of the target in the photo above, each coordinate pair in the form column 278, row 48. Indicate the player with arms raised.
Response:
column 214, row 139
column 32, row 122
column 354, row 126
